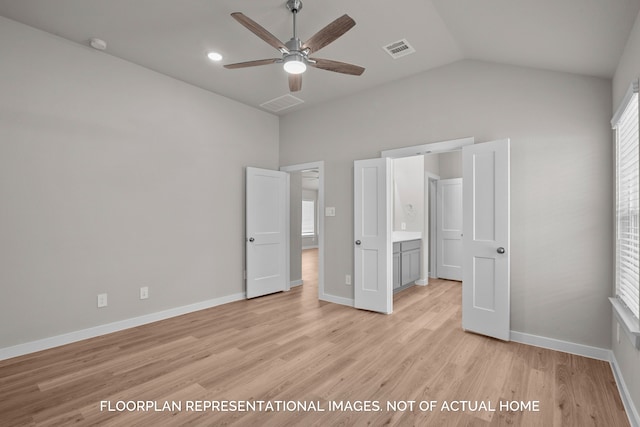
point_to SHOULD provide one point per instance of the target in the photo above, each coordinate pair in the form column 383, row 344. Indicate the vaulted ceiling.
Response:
column 173, row 37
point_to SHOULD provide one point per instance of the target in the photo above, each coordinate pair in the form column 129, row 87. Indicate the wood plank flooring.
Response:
column 290, row 347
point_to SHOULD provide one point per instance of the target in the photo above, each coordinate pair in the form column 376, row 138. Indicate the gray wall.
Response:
column 450, row 165
column 114, row 177
column 561, row 177
column 627, row 356
column 445, row 165
column 432, row 163
column 408, row 193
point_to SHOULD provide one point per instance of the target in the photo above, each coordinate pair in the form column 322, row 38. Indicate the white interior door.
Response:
column 485, row 286
column 449, row 229
column 373, row 282
column 267, row 239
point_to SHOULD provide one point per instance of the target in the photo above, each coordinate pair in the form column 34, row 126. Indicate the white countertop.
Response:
column 403, row 236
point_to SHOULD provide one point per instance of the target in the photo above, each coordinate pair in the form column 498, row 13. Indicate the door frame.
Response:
column 437, row 147
column 321, row 213
column 431, row 197
column 429, row 232
column 430, row 148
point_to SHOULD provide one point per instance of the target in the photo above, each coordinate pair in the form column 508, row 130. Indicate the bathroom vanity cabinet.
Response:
column 406, row 263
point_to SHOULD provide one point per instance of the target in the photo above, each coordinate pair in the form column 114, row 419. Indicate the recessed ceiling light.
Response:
column 214, row 56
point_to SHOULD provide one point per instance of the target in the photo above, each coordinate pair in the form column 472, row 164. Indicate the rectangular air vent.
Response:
column 281, row 103
column 399, row 49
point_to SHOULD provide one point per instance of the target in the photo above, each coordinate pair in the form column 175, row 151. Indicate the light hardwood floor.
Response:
column 291, row 347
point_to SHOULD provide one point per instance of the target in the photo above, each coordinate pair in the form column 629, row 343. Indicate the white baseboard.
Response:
column 310, row 247
column 295, row 283
column 629, row 406
column 520, row 337
column 336, row 300
column 586, row 351
column 422, row 282
column 564, row 346
column 56, row 341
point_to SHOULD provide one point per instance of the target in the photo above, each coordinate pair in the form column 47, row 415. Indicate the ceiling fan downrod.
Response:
column 294, row 6
column 296, row 59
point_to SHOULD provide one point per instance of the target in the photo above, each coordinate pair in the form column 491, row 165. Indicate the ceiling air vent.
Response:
column 399, row 49
column 281, row 103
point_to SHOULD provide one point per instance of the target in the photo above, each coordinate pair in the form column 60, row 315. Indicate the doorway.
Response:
column 307, row 227
column 486, row 243
column 443, row 202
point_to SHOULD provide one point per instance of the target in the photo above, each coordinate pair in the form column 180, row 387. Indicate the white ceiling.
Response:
column 173, row 37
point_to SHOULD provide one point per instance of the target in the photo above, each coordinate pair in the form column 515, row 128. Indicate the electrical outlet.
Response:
column 403, row 225
column 330, row 211
column 144, row 292
column 347, row 279
column 102, row 300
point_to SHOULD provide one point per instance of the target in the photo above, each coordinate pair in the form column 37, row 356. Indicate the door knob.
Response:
column 358, row 242
column 500, row 250
column 251, row 239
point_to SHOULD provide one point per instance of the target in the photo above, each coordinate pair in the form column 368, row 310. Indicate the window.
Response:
column 627, row 208
column 308, row 217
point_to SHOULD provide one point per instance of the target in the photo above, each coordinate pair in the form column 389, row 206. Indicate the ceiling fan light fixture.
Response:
column 294, row 64
column 214, row 56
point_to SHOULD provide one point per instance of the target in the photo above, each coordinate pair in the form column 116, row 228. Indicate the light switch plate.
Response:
column 330, row 211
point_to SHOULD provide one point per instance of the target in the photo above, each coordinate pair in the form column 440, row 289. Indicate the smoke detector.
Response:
column 98, row 44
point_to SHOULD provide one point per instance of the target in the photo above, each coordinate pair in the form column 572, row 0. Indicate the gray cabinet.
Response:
column 396, row 266
column 406, row 264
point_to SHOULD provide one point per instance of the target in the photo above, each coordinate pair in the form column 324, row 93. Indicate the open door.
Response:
column 486, row 256
column 449, row 231
column 267, row 238
column 373, row 186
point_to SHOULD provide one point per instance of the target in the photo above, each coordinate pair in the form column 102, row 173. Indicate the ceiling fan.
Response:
column 295, row 53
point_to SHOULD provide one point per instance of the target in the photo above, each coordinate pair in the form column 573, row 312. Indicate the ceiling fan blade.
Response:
column 295, row 82
column 251, row 63
column 329, row 33
column 259, row 31
column 337, row 66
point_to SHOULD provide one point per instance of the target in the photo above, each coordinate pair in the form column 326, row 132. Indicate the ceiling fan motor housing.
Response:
column 294, row 45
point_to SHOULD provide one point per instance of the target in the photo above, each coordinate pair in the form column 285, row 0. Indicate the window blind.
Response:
column 628, row 203
column 308, row 217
